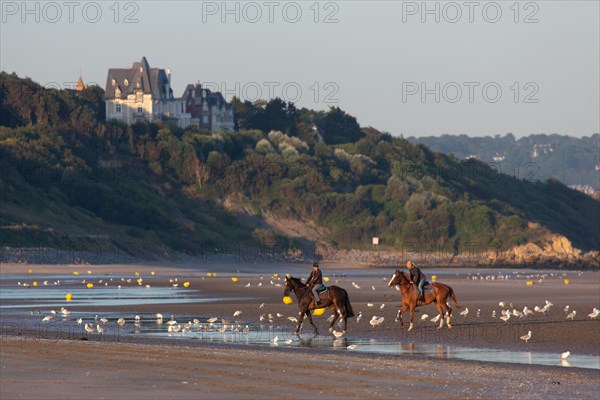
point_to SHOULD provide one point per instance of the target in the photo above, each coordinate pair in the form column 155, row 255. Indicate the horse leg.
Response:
column 399, row 315
column 334, row 310
column 311, row 322
column 449, row 312
column 440, row 309
column 300, row 319
column 412, row 316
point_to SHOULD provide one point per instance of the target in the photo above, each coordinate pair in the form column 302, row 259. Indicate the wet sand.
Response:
column 102, row 368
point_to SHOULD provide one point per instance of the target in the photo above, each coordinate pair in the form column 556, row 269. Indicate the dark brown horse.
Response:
column 338, row 302
column 410, row 296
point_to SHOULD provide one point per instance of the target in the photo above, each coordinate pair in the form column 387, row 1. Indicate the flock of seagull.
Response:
column 222, row 325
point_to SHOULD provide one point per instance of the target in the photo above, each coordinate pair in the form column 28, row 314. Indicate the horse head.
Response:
column 399, row 278
column 395, row 279
column 291, row 284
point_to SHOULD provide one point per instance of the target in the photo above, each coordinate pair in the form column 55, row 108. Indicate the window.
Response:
column 118, row 107
column 126, row 82
column 140, row 109
column 114, row 82
column 205, row 119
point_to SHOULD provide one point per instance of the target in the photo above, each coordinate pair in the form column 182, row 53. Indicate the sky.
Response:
column 407, row 68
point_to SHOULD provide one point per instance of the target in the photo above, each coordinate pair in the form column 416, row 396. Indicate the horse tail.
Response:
column 453, row 297
column 347, row 306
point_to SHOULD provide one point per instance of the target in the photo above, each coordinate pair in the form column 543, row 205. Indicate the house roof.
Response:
column 140, row 77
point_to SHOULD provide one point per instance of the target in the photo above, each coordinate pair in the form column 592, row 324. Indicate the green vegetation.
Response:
column 155, row 188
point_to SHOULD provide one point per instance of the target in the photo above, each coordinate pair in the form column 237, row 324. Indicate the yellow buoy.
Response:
column 529, row 283
column 287, row 300
column 30, row 271
column 152, row 273
column 318, row 311
column 75, row 273
column 34, row 283
column 433, row 278
column 68, row 296
column 137, row 273
column 186, row 284
column 234, row 279
column 566, row 281
column 326, row 279
column 89, row 285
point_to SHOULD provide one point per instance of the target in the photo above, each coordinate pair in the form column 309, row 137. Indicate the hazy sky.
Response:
column 412, row 68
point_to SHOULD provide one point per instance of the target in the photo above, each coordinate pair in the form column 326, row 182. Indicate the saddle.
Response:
column 323, row 292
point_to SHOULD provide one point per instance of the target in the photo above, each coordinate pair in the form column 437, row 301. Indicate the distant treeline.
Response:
column 571, row 160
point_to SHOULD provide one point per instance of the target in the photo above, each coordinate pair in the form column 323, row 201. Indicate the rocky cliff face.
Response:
column 556, row 250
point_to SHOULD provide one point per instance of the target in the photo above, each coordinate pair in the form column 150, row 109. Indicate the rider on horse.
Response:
column 417, row 278
column 315, row 282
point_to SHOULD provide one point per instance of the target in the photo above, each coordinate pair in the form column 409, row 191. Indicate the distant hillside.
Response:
column 68, row 176
column 573, row 161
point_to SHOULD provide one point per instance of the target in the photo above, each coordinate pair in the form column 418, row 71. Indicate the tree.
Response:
column 340, row 127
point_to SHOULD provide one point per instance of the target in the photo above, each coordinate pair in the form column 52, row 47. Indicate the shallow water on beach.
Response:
column 235, row 332
column 101, row 296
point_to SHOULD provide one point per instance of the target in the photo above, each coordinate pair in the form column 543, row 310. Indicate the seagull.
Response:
column 527, row 311
column 505, row 317
column 567, row 308
column 337, row 334
column 376, row 320
column 289, row 341
column 382, row 306
column 594, row 314
column 526, row 337
column 100, row 329
column 279, row 315
column 465, row 312
column 572, row 315
column 549, row 304
column 435, row 319
column 212, row 320
column 262, row 305
column 238, row 312
column 275, row 339
column 121, row 322
column 47, row 318
column 501, row 304
column 352, row 347
column 494, row 314
column 79, row 321
column 424, row 317
column 103, row 320
column 369, row 304
column 293, row 319
column 89, row 328
column 565, row 355
column 159, row 316
column 171, row 322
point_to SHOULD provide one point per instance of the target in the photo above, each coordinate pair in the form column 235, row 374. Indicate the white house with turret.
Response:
column 142, row 93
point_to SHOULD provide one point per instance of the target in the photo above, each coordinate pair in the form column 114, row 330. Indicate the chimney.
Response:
column 169, row 75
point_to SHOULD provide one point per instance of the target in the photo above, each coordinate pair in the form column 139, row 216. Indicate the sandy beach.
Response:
column 138, row 366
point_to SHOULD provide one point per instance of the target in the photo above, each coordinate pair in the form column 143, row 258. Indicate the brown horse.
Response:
column 338, row 303
column 410, row 296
